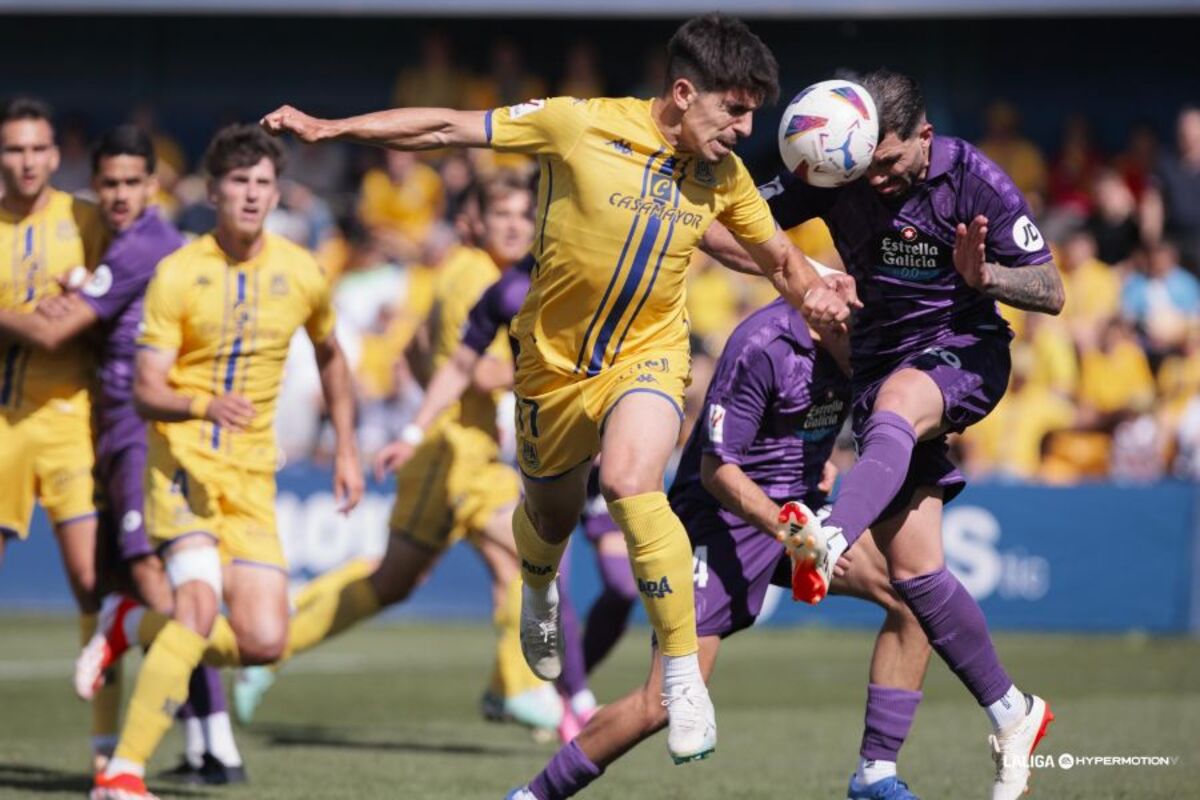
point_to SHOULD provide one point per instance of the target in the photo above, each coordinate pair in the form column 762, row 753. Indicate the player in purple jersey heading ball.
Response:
column 771, row 415
column 934, row 235
column 110, row 303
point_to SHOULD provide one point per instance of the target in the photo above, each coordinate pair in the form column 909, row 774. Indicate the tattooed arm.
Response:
column 1034, row 287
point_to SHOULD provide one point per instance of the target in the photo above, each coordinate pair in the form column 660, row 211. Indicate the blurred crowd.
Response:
column 1109, row 389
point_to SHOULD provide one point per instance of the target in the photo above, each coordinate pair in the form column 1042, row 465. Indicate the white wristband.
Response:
column 412, row 434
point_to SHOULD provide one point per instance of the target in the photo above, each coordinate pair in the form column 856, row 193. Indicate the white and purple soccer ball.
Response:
column 828, row 133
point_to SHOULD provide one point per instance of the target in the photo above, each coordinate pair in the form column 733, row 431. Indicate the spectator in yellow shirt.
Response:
column 400, row 202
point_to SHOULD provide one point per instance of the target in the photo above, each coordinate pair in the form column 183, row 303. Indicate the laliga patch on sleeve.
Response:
column 101, row 282
column 716, row 424
column 1027, row 236
column 528, row 107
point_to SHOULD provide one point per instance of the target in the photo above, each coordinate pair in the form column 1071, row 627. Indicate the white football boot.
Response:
column 814, row 550
column 541, row 635
column 691, row 722
column 1012, row 748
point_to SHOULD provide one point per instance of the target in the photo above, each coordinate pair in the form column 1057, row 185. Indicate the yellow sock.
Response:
column 662, row 563
column 511, row 675
column 222, row 650
column 150, row 625
column 162, row 686
column 106, row 705
column 539, row 558
column 336, row 602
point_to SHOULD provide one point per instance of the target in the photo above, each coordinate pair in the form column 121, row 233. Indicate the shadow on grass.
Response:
column 280, row 735
column 46, row 780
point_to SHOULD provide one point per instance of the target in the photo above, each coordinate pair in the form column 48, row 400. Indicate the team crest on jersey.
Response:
column 704, row 174
column 279, row 285
column 100, row 282
column 529, row 455
column 528, row 107
column 65, row 231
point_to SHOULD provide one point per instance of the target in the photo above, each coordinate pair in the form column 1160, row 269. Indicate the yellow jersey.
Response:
column 35, row 251
column 463, row 278
column 619, row 215
column 230, row 325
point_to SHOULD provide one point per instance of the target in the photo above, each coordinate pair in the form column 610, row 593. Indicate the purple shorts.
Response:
column 120, row 476
column 972, row 371
column 734, row 563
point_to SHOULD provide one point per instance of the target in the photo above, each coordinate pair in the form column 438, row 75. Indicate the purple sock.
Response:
column 873, row 481
column 609, row 615
column 566, row 774
column 888, row 719
column 206, row 695
column 958, row 632
column 574, row 677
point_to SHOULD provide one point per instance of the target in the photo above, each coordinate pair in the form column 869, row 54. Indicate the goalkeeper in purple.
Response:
column 772, row 412
column 934, row 235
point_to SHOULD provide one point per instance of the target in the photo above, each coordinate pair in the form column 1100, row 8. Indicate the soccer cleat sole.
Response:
column 701, row 756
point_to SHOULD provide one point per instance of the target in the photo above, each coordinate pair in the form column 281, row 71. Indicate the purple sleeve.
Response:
column 112, row 287
column 485, row 319
column 1013, row 238
column 734, row 410
column 792, row 201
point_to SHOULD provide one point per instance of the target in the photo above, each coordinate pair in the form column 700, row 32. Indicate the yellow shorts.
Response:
column 46, row 456
column 189, row 493
column 451, row 487
column 560, row 418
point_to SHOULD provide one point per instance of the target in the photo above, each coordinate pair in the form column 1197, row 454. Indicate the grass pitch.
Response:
column 390, row 711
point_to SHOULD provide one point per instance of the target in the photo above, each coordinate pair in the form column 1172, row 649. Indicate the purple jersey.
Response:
column 497, row 306
column 900, row 251
column 115, row 292
column 774, row 407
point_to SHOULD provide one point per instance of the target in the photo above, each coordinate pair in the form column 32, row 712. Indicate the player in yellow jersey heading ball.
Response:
column 219, row 316
column 627, row 189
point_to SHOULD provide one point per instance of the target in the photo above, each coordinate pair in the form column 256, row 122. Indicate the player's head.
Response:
column 28, row 155
column 718, row 73
column 243, row 164
column 123, row 175
column 901, row 158
column 506, row 216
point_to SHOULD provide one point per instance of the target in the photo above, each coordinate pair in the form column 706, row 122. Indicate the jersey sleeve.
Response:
column 539, row 127
column 485, row 319
column 113, row 286
column 321, row 318
column 746, row 215
column 162, row 314
column 732, row 415
column 794, row 202
column 1013, row 238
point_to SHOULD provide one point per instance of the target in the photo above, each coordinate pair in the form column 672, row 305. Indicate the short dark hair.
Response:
column 241, row 145
column 124, row 140
column 898, row 101
column 496, row 187
column 718, row 53
column 25, row 108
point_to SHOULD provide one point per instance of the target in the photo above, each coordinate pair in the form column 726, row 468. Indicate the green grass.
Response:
column 390, row 711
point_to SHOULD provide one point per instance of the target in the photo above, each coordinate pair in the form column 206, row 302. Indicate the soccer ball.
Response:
column 828, row 133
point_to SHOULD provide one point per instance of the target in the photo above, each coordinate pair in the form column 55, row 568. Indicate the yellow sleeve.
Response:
column 746, row 215
column 321, row 319
column 539, row 127
column 162, row 313
column 91, row 230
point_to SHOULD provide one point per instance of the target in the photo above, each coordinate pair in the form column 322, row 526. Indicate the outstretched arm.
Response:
column 795, row 278
column 1033, row 287
column 397, row 128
